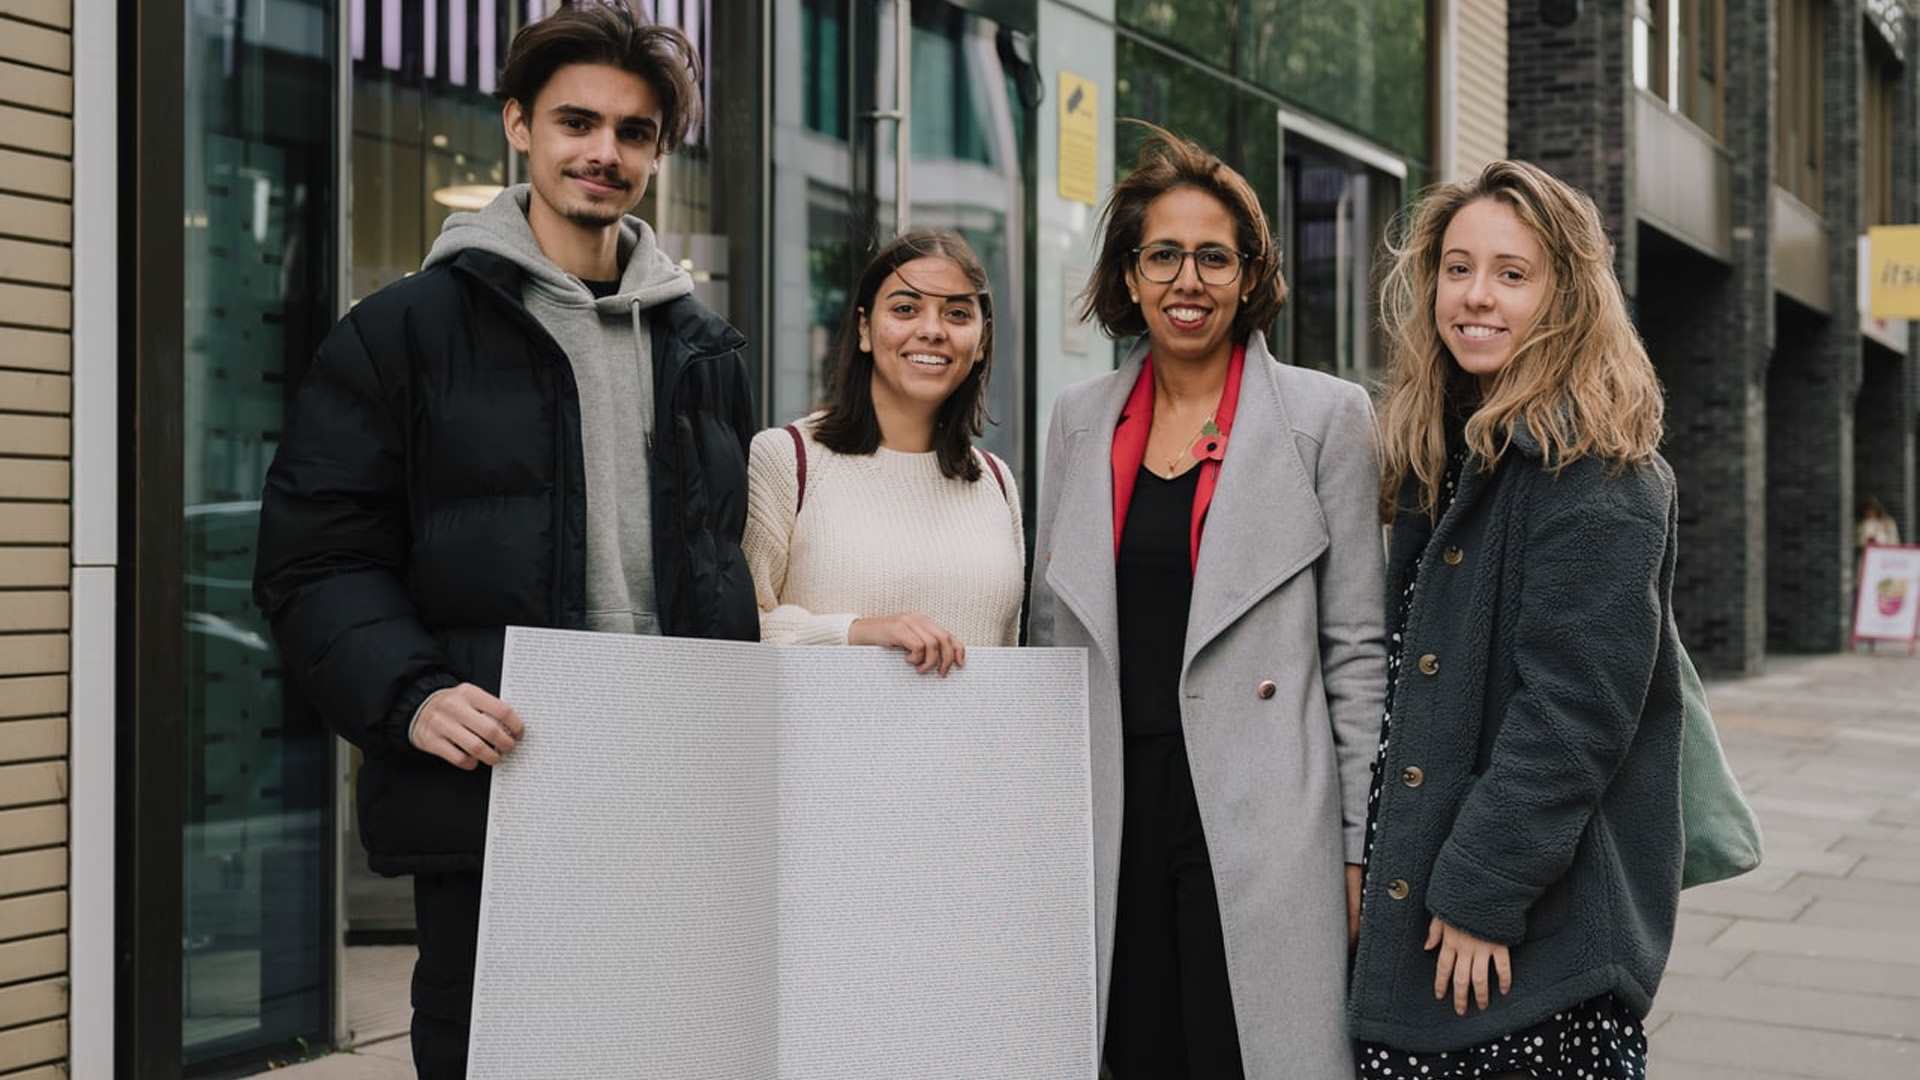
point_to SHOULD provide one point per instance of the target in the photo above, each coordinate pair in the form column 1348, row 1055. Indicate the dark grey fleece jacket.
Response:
column 1539, row 700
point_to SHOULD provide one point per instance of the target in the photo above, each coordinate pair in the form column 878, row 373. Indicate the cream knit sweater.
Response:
column 883, row 534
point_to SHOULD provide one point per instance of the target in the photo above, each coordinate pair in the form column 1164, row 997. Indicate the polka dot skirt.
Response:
column 1598, row 1039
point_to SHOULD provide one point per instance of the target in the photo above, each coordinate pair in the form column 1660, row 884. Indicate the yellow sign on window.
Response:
column 1893, row 271
column 1079, row 139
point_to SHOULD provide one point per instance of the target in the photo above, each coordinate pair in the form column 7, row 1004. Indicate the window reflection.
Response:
column 834, row 175
column 1362, row 63
column 257, row 267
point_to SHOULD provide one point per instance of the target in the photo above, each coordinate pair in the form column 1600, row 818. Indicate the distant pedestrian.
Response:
column 1875, row 526
column 877, row 521
column 1524, row 827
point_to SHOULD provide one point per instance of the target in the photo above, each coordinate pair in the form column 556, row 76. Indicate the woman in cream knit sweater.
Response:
column 876, row 521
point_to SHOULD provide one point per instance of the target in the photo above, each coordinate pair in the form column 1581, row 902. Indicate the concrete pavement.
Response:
column 1806, row 969
column 1810, row 966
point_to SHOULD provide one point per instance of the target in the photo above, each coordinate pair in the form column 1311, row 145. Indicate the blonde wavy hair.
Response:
column 1580, row 379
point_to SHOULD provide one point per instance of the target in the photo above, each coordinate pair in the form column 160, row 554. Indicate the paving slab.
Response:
column 1727, row 898
column 1851, row 914
column 1803, row 860
column 1791, row 1006
column 1901, row 843
column 1692, row 928
column 1794, row 939
column 1704, row 960
column 1863, row 890
column 1816, row 973
column 1662, row 1069
column 1903, row 871
column 1796, row 1051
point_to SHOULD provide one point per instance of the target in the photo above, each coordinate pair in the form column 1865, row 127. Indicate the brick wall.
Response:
column 1568, row 109
column 1709, row 328
column 1708, row 325
column 1811, row 388
column 1906, row 208
column 36, row 269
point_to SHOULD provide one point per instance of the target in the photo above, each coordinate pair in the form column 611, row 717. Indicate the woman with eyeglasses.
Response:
column 876, row 521
column 1207, row 532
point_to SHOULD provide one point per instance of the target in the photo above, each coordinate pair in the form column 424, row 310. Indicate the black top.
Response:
column 1154, row 581
column 601, row 289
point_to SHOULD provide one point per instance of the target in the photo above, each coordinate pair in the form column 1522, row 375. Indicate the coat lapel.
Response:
column 1265, row 524
column 1081, row 568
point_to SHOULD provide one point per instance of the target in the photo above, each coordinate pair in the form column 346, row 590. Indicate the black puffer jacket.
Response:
column 429, row 492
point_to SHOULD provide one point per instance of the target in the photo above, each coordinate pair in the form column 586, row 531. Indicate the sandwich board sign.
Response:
column 1887, row 607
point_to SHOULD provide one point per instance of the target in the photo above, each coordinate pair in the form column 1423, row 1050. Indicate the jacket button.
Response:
column 1266, row 689
column 1412, row 776
column 1398, row 889
column 1454, row 556
column 1429, row 664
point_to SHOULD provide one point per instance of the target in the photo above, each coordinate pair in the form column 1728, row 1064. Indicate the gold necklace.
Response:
column 1206, row 428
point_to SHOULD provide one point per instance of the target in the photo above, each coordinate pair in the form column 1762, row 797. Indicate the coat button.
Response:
column 1429, row 664
column 1266, row 689
column 1398, row 889
column 1454, row 556
column 1412, row 776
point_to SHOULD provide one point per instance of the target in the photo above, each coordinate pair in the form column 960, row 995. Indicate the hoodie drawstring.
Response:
column 643, row 356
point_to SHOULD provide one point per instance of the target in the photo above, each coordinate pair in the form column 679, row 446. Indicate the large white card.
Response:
column 717, row 859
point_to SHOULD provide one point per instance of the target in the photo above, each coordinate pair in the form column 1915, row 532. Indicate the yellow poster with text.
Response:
column 1079, row 139
column 1893, row 271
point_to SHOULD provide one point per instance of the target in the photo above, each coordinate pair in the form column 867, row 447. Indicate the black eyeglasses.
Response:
column 1161, row 263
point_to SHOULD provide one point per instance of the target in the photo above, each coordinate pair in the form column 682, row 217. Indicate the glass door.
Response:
column 1335, row 206
column 894, row 114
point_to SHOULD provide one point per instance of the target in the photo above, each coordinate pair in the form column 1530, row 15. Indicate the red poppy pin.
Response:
column 1211, row 445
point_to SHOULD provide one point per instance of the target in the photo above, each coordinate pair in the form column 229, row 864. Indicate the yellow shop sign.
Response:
column 1893, row 271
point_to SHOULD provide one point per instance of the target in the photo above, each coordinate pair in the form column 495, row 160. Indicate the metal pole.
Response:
column 903, row 104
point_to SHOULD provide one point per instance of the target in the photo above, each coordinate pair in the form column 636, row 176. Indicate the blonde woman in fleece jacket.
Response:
column 877, row 521
column 1524, row 845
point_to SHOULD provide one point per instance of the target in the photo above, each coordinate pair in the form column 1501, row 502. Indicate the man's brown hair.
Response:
column 609, row 32
column 1168, row 161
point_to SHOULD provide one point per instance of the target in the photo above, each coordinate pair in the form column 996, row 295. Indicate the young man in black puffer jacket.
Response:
column 541, row 428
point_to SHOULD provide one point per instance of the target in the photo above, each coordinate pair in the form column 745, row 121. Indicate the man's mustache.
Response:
column 598, row 176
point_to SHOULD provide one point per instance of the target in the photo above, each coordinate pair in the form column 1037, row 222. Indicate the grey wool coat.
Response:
column 1533, row 771
column 1287, row 590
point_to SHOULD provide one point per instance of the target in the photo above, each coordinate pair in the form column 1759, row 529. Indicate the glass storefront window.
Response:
column 1336, row 213
column 1360, row 63
column 1191, row 26
column 834, row 182
column 258, row 263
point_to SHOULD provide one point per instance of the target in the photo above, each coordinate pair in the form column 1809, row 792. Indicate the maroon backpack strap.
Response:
column 799, row 467
column 998, row 477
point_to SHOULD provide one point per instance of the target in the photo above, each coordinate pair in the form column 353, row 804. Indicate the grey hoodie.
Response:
column 610, row 350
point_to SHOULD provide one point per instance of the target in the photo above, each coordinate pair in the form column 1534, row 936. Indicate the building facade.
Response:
column 192, row 192
column 1739, row 150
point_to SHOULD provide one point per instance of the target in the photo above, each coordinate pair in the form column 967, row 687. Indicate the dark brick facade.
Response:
column 1762, row 393
column 1812, row 387
column 1569, row 109
column 1905, row 503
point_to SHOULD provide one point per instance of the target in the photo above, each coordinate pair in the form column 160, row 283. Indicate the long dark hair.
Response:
column 851, row 426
